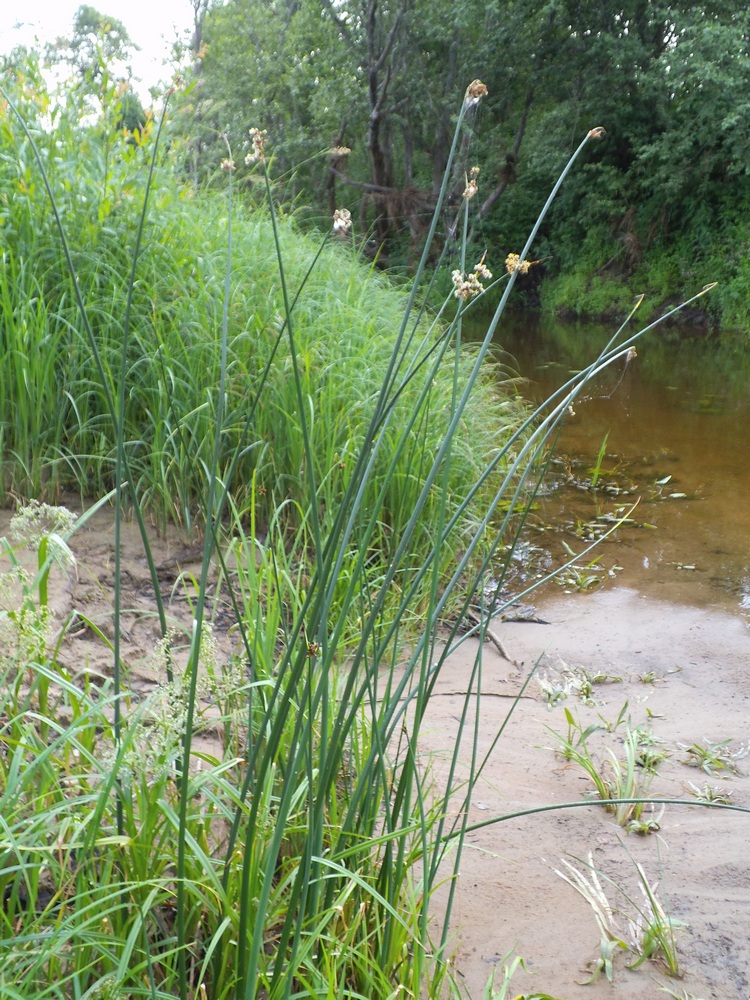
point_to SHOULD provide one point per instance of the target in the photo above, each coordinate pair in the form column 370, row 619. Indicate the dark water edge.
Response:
column 677, row 421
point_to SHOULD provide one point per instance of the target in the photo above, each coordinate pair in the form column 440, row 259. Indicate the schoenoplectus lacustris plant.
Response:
column 356, row 480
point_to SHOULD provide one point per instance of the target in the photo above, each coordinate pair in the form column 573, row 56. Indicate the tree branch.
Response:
column 340, row 24
column 492, row 198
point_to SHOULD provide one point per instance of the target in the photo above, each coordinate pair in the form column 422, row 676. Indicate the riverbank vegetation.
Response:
column 349, row 472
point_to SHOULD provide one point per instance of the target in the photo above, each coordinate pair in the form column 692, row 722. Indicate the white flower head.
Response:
column 342, row 221
column 38, row 520
column 258, row 139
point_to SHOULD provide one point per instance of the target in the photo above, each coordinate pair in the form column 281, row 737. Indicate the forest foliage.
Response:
column 358, row 96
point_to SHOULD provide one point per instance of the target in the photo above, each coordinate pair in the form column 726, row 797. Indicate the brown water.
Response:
column 677, row 420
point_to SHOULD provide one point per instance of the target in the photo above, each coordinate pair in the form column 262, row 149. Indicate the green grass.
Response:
column 345, row 321
column 355, row 478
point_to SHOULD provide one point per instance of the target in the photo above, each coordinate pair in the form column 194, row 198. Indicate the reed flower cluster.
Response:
column 258, row 152
column 342, row 221
column 474, row 93
column 513, row 263
column 471, row 184
column 466, row 286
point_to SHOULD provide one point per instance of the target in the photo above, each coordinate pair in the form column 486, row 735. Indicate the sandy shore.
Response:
column 685, row 672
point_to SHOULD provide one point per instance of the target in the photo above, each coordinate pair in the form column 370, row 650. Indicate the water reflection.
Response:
column 676, row 423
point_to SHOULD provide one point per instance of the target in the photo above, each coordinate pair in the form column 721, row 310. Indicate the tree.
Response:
column 98, row 43
column 382, row 79
column 378, row 82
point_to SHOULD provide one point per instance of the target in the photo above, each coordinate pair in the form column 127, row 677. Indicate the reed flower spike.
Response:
column 466, row 286
column 258, row 139
column 471, row 184
column 342, row 221
column 513, row 263
column 474, row 93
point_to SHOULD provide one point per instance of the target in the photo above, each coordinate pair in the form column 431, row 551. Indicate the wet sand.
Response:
column 697, row 664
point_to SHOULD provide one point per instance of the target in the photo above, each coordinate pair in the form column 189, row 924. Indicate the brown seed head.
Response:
column 474, row 93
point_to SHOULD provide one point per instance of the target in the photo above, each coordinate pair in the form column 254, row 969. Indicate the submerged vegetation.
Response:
column 351, row 474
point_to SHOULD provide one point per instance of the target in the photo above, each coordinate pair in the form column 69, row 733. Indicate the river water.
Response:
column 677, row 425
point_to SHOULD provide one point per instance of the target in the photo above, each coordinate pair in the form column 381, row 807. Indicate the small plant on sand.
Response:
column 683, row 995
column 650, row 749
column 557, row 685
column 612, row 938
column 650, row 933
column 652, row 930
column 612, row 725
column 613, row 778
column 649, row 677
column 713, row 758
column 576, row 737
column 554, row 688
column 646, row 823
column 494, row 992
column 710, row 793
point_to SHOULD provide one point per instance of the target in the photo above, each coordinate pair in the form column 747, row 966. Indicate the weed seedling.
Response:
column 653, row 930
column 643, row 826
column 622, row 718
column 580, row 578
column 649, row 677
column 597, row 469
column 611, row 936
column 576, row 738
column 650, row 931
column 585, row 683
column 615, row 778
column 713, row 757
column 554, row 689
column 679, row 996
column 649, row 753
column 710, row 793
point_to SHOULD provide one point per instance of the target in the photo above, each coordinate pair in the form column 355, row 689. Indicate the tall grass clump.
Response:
column 344, row 334
column 352, row 476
